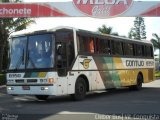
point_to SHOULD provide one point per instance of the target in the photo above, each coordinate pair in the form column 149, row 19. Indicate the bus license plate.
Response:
column 26, row 87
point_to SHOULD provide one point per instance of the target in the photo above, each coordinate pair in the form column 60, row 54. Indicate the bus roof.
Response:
column 28, row 32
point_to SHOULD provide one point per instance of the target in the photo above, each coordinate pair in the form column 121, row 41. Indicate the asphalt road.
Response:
column 121, row 104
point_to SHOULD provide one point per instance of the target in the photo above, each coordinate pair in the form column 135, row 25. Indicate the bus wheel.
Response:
column 138, row 86
column 80, row 89
column 42, row 97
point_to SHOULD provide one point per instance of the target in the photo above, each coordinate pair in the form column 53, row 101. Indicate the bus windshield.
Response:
column 32, row 52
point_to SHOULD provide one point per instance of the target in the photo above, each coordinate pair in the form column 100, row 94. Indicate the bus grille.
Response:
column 19, row 81
column 26, row 81
column 31, row 80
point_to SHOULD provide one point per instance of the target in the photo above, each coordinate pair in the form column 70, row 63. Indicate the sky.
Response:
column 122, row 25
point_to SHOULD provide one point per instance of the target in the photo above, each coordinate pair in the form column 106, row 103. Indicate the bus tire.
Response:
column 80, row 89
column 42, row 97
column 138, row 86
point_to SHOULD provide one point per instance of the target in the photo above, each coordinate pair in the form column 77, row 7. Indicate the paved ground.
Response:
column 117, row 104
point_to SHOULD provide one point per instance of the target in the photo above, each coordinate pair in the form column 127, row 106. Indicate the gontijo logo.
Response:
column 85, row 63
column 102, row 8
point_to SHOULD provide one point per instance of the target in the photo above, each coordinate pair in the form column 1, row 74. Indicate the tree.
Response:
column 132, row 33
column 156, row 42
column 107, row 30
column 7, row 26
column 138, row 31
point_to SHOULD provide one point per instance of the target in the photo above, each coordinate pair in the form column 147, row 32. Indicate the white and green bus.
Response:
column 69, row 61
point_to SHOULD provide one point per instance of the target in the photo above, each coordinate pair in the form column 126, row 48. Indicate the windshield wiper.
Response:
column 21, row 59
column 29, row 59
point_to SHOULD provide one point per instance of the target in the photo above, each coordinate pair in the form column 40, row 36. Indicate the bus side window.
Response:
column 61, row 51
column 143, row 51
column 86, row 44
column 139, row 50
column 104, row 46
column 118, row 48
column 149, row 51
column 83, row 44
column 91, row 45
column 97, row 45
column 128, row 49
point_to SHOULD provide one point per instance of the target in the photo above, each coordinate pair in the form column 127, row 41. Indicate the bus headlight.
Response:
column 10, row 88
column 44, row 88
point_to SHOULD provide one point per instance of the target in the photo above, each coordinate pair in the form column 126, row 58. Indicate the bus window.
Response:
column 143, row 51
column 139, row 50
column 83, row 44
column 104, row 46
column 64, row 35
column 18, row 53
column 71, row 54
column 97, row 45
column 40, row 54
column 91, row 45
column 117, row 48
column 86, row 44
column 128, row 49
column 67, row 46
column 149, row 51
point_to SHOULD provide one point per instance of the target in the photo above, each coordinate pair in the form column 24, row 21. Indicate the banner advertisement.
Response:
column 82, row 8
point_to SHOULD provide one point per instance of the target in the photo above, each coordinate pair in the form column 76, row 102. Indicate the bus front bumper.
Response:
column 31, row 90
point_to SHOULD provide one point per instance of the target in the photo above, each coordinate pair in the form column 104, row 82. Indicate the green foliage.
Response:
column 157, row 74
column 4, row 0
column 156, row 42
column 2, row 79
column 107, row 30
column 138, row 31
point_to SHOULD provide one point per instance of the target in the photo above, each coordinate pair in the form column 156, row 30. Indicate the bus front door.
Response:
column 61, row 66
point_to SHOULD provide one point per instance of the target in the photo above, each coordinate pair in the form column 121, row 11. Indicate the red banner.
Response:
column 82, row 8
column 28, row 10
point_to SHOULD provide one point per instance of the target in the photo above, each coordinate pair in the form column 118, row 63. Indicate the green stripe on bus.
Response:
column 35, row 74
column 111, row 79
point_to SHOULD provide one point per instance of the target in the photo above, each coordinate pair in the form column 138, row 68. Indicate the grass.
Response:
column 2, row 79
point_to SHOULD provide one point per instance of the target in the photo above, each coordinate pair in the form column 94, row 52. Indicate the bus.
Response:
column 70, row 61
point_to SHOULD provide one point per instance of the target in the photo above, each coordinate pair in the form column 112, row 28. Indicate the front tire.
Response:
column 80, row 90
column 42, row 97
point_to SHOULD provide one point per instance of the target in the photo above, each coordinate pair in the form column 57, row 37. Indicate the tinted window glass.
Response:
column 117, row 48
column 128, row 49
column 40, row 51
column 83, row 44
column 139, row 50
column 86, row 44
column 104, row 46
column 149, row 51
column 18, row 53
